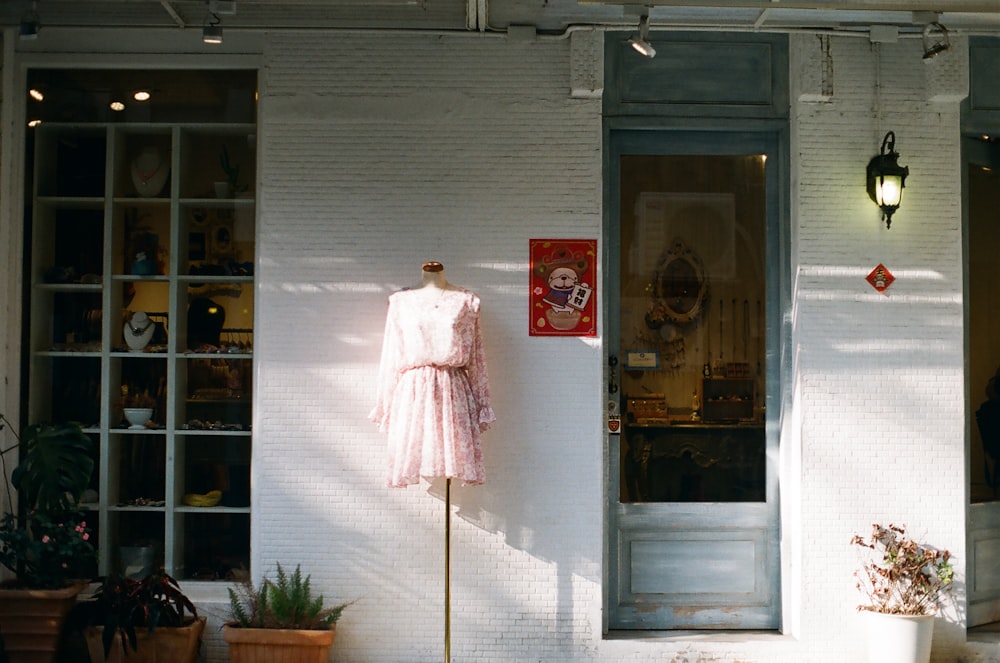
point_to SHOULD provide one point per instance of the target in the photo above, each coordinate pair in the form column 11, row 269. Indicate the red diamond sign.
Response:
column 880, row 278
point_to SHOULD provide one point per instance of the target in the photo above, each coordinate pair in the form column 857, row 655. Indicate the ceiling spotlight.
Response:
column 34, row 123
column 36, row 94
column 212, row 32
column 936, row 40
column 640, row 42
column 30, row 24
column 117, row 106
column 141, row 95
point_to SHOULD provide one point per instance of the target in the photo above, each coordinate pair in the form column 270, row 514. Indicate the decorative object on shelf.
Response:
column 49, row 549
column 279, row 620
column 138, row 330
column 886, row 178
column 679, row 286
column 138, row 417
column 232, row 171
column 211, row 498
column 149, row 172
column 137, row 407
column 143, row 620
column 905, row 583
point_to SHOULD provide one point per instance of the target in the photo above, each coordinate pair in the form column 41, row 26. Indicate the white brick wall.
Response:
column 459, row 149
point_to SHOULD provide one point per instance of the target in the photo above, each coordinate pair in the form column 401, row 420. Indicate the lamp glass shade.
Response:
column 889, row 190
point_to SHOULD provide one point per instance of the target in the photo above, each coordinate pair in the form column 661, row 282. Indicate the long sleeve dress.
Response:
column 433, row 396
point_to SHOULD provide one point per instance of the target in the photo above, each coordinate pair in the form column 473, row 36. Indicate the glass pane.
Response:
column 693, row 283
column 984, row 319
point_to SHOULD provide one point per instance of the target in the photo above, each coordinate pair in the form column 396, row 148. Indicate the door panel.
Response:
column 692, row 295
column 982, row 189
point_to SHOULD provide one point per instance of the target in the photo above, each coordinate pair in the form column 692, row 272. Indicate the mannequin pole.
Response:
column 447, row 573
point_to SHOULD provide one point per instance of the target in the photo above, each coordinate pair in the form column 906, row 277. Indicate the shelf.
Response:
column 109, row 240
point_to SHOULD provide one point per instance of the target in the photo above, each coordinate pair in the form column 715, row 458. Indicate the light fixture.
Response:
column 212, row 32
column 936, row 40
column 30, row 24
column 142, row 95
column 116, row 106
column 640, row 42
column 36, row 94
column 886, row 178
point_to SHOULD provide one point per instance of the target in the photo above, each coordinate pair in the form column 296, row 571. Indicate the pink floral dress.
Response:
column 433, row 394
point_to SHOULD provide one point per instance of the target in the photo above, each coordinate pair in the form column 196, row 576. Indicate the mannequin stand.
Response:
column 447, row 573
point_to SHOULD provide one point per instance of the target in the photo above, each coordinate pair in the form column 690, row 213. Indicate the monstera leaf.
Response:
column 55, row 467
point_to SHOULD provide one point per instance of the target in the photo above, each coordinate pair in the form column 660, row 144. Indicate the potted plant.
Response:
column 143, row 620
column 232, row 171
column 137, row 407
column 47, row 543
column 905, row 583
column 279, row 620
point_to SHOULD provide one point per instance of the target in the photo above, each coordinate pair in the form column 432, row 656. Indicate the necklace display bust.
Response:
column 137, row 331
column 149, row 172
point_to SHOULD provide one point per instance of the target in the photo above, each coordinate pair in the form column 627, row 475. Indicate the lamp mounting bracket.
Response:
column 222, row 7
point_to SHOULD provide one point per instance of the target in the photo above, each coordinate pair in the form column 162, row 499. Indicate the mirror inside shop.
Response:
column 693, row 329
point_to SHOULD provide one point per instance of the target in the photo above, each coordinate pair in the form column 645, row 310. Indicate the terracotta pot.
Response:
column 277, row 645
column 167, row 644
column 31, row 621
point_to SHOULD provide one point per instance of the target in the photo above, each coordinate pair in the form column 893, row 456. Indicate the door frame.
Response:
column 641, row 136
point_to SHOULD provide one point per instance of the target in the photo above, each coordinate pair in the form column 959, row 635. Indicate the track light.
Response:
column 212, row 32
column 936, row 40
column 640, row 42
column 30, row 24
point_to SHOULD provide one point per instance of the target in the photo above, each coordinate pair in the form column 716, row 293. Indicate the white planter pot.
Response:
column 898, row 638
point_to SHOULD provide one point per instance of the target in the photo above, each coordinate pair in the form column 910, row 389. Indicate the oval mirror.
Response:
column 680, row 284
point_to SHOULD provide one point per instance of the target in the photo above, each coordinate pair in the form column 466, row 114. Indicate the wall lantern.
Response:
column 886, row 178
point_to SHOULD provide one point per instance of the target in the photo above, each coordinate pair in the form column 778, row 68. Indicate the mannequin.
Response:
column 433, row 276
column 137, row 331
column 149, row 172
column 433, row 396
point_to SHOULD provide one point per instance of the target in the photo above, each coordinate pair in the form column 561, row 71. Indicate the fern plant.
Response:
column 285, row 602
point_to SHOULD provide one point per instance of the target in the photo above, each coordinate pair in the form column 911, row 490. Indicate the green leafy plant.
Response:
column 286, row 602
column 49, row 544
column 123, row 604
column 231, row 170
column 901, row 576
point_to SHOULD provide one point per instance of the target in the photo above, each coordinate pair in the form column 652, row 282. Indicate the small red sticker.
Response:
column 880, row 278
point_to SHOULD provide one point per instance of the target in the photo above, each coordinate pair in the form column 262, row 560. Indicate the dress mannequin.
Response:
column 149, row 172
column 137, row 331
column 433, row 398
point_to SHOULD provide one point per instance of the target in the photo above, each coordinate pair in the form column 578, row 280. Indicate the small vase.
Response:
column 138, row 416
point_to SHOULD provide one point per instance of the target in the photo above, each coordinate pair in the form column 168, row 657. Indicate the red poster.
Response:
column 563, row 287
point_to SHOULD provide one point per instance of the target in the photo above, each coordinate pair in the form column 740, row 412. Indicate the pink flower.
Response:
column 83, row 523
column 64, row 565
column 45, row 539
column 86, row 537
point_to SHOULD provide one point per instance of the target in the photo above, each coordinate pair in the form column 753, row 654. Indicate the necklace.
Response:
column 139, row 331
column 144, row 175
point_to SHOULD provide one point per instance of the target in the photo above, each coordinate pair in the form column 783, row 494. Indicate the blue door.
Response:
column 695, row 272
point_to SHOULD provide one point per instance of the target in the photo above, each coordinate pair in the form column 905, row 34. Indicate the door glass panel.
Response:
column 983, row 184
column 692, row 300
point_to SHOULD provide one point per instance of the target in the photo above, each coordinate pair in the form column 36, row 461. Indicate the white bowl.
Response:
column 138, row 416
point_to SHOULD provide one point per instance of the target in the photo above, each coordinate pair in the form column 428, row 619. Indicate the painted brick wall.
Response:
column 460, row 149
column 879, row 376
column 449, row 148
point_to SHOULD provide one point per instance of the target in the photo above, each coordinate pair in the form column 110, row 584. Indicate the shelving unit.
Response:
column 106, row 243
